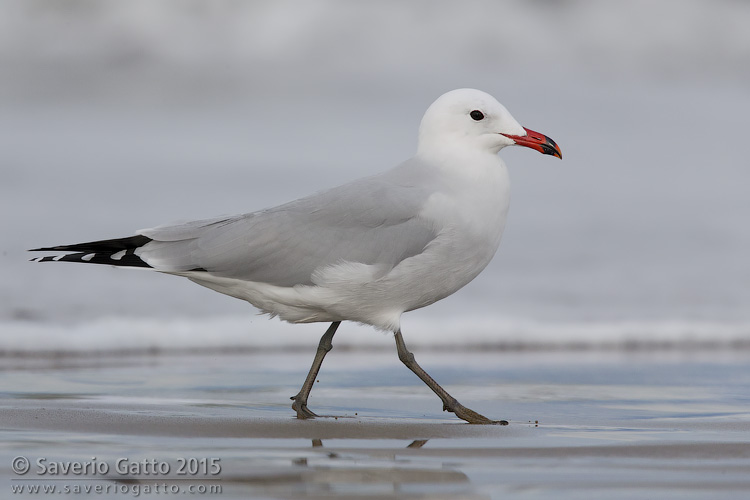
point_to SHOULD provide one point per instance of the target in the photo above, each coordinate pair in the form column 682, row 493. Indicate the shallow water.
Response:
column 583, row 424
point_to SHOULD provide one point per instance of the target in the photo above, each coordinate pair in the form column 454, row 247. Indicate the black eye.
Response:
column 476, row 115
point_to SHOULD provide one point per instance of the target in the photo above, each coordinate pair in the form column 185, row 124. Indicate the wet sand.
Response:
column 583, row 425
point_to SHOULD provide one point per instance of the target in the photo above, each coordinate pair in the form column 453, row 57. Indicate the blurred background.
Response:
column 115, row 116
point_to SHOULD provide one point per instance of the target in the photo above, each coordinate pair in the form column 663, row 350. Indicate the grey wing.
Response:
column 369, row 221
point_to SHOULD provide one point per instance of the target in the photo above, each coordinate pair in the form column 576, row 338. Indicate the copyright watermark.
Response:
column 183, row 475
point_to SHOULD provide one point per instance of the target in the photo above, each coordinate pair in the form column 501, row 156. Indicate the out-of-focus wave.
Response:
column 236, row 333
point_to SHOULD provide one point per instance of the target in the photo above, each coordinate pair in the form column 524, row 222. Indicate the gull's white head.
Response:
column 469, row 118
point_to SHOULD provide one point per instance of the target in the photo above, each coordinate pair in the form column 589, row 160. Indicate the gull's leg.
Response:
column 300, row 400
column 449, row 402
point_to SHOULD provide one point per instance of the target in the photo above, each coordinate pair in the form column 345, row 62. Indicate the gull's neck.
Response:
column 459, row 159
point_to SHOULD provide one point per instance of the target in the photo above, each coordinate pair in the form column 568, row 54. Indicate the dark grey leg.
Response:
column 300, row 400
column 449, row 402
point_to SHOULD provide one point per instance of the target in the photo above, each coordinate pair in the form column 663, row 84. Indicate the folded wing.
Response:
column 370, row 221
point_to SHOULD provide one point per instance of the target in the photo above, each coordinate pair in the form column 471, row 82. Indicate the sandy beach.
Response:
column 582, row 425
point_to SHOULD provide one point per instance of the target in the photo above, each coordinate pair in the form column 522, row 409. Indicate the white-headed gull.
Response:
column 367, row 251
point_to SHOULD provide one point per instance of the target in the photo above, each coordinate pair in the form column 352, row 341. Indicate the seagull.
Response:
column 366, row 251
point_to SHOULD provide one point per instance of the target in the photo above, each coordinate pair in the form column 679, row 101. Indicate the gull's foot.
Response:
column 303, row 412
column 470, row 415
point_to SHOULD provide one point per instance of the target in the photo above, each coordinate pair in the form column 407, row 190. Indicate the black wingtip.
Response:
column 126, row 259
column 116, row 252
